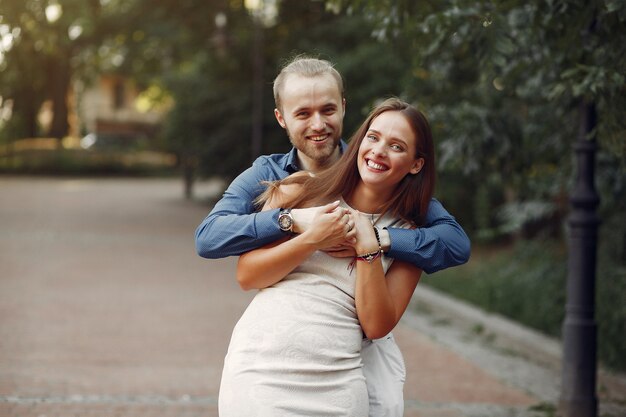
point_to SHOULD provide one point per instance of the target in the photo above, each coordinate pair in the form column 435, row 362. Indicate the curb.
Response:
column 515, row 336
column 529, row 343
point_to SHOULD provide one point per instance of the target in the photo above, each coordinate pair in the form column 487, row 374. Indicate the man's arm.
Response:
column 441, row 243
column 234, row 227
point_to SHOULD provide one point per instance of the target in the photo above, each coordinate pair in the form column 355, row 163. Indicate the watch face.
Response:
column 285, row 222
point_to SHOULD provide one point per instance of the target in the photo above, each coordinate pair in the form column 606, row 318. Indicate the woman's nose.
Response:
column 379, row 149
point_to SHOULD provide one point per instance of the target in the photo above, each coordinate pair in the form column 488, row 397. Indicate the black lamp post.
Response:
column 578, row 391
column 257, row 9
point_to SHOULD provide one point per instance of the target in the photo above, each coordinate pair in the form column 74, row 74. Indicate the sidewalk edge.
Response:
column 531, row 343
column 528, row 341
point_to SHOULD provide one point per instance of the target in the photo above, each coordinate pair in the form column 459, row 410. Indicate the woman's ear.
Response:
column 417, row 166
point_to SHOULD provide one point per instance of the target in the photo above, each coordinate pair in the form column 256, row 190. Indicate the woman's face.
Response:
column 388, row 151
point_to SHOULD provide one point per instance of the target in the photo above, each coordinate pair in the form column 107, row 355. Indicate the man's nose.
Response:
column 317, row 122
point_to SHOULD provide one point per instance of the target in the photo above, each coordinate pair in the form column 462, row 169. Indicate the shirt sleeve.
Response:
column 441, row 243
column 234, row 227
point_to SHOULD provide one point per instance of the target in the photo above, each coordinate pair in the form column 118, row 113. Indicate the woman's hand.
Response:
column 365, row 237
column 331, row 226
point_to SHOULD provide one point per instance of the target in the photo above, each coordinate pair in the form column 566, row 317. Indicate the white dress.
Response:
column 296, row 350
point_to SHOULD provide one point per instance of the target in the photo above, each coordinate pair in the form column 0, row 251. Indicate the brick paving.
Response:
column 106, row 310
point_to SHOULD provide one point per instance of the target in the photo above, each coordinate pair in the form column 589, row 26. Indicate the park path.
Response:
column 106, row 310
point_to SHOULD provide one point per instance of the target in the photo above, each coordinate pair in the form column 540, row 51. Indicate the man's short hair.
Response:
column 307, row 67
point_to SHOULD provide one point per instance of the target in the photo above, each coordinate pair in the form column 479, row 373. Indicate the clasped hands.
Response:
column 338, row 231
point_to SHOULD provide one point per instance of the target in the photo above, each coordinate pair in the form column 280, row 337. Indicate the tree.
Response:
column 501, row 80
column 211, row 78
column 51, row 42
column 503, row 83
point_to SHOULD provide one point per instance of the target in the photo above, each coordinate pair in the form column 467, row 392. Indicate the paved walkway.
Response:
column 106, row 310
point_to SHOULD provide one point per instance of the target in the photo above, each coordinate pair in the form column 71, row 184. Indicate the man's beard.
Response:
column 319, row 155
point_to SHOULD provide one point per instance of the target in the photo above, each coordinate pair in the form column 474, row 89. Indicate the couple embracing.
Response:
column 334, row 237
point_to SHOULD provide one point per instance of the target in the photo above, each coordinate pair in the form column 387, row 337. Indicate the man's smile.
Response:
column 318, row 138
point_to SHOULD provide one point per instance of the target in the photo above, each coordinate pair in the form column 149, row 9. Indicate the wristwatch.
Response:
column 285, row 220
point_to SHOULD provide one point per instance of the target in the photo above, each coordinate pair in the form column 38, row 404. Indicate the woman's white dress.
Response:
column 296, row 350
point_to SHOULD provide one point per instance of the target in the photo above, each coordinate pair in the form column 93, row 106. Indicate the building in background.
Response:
column 113, row 111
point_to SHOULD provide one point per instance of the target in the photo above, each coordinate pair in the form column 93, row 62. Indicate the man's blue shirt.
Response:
column 235, row 226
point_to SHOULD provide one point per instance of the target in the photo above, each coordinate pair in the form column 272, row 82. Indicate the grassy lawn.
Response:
column 47, row 156
column 527, row 283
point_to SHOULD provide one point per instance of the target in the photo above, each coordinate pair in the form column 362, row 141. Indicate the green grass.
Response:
column 84, row 162
column 526, row 282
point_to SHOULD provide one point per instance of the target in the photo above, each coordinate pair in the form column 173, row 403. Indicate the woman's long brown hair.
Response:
column 412, row 194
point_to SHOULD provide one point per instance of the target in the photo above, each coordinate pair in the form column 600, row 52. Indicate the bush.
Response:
column 611, row 292
column 87, row 162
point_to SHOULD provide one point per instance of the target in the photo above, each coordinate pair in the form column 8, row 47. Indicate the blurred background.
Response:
column 182, row 88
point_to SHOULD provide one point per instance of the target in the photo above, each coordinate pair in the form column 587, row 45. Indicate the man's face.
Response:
column 312, row 114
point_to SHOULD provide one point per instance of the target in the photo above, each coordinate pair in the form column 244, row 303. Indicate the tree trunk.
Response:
column 59, row 76
column 27, row 95
column 25, row 109
column 189, row 164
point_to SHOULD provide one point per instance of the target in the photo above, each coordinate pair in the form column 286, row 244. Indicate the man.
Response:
column 310, row 106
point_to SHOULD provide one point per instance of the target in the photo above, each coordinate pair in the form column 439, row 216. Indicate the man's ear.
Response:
column 343, row 104
column 279, row 118
column 417, row 166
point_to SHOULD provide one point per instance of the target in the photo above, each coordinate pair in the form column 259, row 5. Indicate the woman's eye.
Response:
column 397, row 148
column 372, row 137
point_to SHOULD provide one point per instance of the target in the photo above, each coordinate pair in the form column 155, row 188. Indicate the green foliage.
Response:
column 501, row 82
column 212, row 87
column 371, row 69
column 506, row 281
column 84, row 39
column 544, row 409
column 210, row 122
column 86, row 162
column 527, row 284
column 45, row 51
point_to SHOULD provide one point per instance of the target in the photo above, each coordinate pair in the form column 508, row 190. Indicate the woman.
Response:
column 297, row 348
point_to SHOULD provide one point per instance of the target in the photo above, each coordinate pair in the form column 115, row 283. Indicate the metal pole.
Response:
column 257, row 93
column 578, row 389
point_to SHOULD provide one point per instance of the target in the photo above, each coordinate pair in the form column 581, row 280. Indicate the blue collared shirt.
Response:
column 235, row 226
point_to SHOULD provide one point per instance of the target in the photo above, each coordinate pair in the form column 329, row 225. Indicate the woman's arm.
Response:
column 267, row 265
column 380, row 299
column 263, row 267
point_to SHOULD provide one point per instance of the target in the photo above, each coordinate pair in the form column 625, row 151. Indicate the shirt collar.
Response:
column 291, row 162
